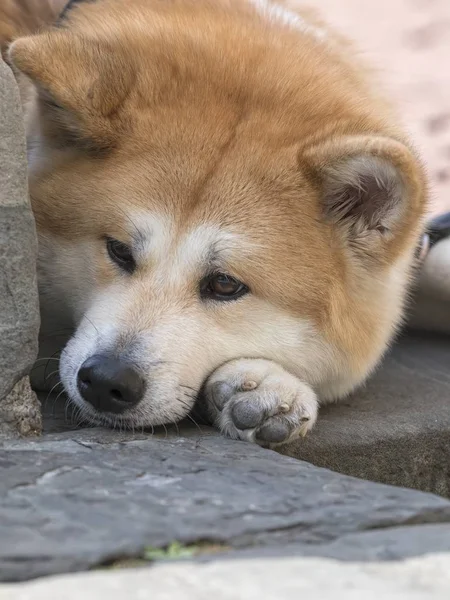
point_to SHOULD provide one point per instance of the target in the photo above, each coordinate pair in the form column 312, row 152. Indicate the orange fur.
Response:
column 22, row 17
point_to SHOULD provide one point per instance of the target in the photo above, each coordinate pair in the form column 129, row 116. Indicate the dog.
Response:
column 227, row 208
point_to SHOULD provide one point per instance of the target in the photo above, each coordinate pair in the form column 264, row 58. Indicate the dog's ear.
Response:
column 370, row 187
column 81, row 85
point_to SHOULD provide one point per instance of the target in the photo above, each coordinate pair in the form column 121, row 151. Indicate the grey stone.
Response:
column 397, row 429
column 20, row 411
column 19, row 313
column 426, row 578
column 384, row 544
column 75, row 500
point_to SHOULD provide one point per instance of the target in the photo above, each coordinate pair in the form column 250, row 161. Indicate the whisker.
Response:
column 176, row 426
column 54, row 387
column 188, row 396
column 186, row 405
column 138, row 233
column 66, row 408
column 48, row 362
column 75, row 415
column 52, row 373
column 58, row 332
column 55, row 401
column 195, row 423
column 45, row 365
column 93, row 325
column 188, row 387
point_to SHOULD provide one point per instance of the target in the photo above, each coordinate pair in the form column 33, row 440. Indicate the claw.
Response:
column 247, row 386
column 303, row 431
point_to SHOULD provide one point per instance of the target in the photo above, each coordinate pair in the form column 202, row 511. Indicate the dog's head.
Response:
column 210, row 185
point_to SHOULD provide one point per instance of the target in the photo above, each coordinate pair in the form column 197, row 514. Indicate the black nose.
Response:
column 110, row 384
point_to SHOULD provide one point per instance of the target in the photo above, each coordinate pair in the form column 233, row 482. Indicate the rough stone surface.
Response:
column 397, row 429
column 75, row 500
column 426, row 578
column 20, row 411
column 19, row 314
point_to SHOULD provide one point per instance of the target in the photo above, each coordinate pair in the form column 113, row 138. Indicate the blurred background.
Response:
column 409, row 42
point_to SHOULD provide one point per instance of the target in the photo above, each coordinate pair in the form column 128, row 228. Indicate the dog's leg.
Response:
column 257, row 400
column 431, row 307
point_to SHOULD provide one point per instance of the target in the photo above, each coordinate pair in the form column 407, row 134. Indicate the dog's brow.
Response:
column 138, row 239
column 214, row 258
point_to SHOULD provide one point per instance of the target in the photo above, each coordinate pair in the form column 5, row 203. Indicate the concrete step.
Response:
column 397, row 429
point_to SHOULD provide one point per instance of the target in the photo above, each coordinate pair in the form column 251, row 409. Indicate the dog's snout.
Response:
column 109, row 384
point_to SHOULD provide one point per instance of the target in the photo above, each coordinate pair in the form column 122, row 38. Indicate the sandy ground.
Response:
column 409, row 42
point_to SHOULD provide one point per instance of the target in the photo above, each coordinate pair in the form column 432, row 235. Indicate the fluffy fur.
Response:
column 235, row 135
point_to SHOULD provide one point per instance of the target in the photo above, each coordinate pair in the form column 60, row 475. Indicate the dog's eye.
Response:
column 121, row 254
column 222, row 287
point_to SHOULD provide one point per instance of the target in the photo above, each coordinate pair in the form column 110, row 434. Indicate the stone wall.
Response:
column 19, row 312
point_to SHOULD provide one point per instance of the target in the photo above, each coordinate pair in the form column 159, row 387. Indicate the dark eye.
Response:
column 222, row 287
column 121, row 254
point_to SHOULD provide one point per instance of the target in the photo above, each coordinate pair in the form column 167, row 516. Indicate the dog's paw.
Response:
column 258, row 401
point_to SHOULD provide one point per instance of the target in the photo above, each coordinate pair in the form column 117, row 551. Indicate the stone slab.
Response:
column 19, row 312
column 426, row 578
column 75, row 500
column 397, row 429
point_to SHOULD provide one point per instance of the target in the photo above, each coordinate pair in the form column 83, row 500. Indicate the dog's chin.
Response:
column 132, row 420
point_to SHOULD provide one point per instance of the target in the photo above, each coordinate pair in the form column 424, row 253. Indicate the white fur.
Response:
column 283, row 16
column 176, row 256
column 269, row 391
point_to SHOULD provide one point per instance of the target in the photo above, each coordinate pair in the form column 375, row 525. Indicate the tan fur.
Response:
column 207, row 112
column 22, row 17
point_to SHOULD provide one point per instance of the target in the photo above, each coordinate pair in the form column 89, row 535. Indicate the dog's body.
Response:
column 224, row 203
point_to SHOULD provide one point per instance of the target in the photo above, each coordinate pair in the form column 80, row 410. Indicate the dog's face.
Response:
column 180, row 252
column 197, row 202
